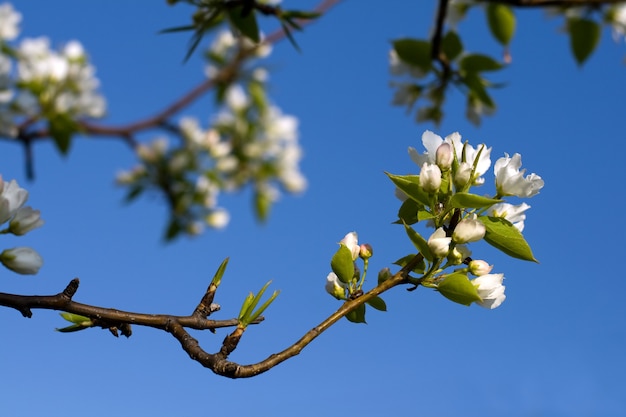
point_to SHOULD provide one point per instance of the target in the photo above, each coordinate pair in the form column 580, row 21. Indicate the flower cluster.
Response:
column 21, row 220
column 345, row 282
column 440, row 196
column 249, row 143
column 53, row 85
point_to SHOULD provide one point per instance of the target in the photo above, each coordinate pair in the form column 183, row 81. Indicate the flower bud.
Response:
column 366, row 251
column 444, row 156
column 383, row 275
column 462, row 175
column 430, row 178
column 459, row 254
column 439, row 243
column 335, row 287
column 22, row 260
column 468, row 230
column 479, row 267
column 351, row 241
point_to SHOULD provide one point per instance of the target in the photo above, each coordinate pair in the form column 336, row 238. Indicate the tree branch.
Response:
column 107, row 317
column 552, row 3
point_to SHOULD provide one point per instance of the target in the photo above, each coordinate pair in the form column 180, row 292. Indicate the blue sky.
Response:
column 554, row 348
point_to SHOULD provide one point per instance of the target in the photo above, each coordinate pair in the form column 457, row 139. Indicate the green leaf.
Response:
column 342, row 264
column 414, row 52
column 501, row 20
column 409, row 185
column 173, row 229
column 262, row 206
column 419, row 269
column 584, row 37
column 217, row 278
column 76, row 318
column 357, row 315
column 501, row 234
column 476, row 85
column 72, row 328
column 419, row 242
column 451, row 45
column 61, row 128
column 408, row 212
column 467, row 200
column 133, row 193
column 245, row 22
column 424, row 215
column 263, row 307
column 458, row 288
column 479, row 63
column 245, row 307
column 377, row 303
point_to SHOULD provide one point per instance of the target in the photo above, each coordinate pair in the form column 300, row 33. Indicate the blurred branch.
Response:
column 552, row 3
column 127, row 131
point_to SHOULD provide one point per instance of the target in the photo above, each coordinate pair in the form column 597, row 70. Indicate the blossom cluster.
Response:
column 21, row 220
column 440, row 197
column 40, row 83
column 246, row 144
column 449, row 168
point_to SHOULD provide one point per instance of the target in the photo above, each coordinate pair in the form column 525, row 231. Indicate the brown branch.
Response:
column 63, row 302
column 552, row 3
column 221, row 366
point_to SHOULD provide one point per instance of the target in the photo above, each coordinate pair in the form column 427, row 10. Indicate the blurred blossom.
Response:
column 61, row 81
column 236, row 98
column 25, row 220
column 514, row 214
column 9, row 21
column 218, row 218
column 511, row 181
column 618, row 21
column 23, row 260
column 490, row 290
column 12, row 197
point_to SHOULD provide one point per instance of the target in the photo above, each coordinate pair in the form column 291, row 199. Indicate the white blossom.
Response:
column 9, row 21
column 25, row 220
column 12, row 197
column 490, row 290
column 511, row 181
column 514, row 214
column 439, row 243
column 468, row 230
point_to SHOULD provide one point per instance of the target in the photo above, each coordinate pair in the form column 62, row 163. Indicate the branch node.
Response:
column 71, row 288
